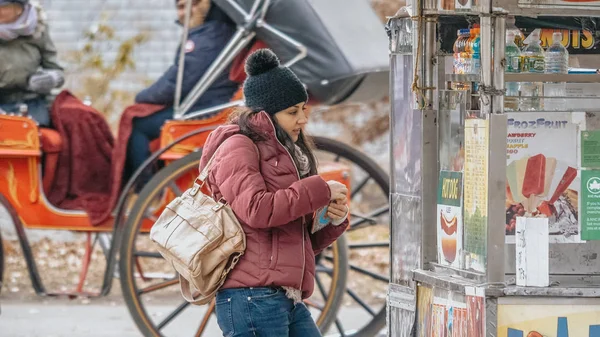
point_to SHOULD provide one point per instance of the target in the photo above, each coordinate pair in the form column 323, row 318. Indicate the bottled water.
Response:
column 533, row 62
column 513, row 65
column 518, row 36
column 557, row 62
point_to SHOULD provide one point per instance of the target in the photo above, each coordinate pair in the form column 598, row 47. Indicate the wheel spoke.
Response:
column 211, row 309
column 174, row 188
column 158, row 286
column 322, row 269
column 367, row 219
column 382, row 244
column 322, row 290
column 375, row 213
column 366, row 272
column 154, row 255
column 359, row 187
column 360, row 302
column 172, row 315
column 340, row 328
column 376, row 276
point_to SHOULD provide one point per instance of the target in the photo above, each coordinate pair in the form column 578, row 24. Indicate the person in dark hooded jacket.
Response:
column 209, row 31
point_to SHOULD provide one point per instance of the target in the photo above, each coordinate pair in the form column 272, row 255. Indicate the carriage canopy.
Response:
column 346, row 44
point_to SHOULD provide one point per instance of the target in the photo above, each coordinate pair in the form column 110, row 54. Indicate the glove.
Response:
column 44, row 81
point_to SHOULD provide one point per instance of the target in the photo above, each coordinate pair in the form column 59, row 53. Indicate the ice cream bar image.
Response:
column 547, row 207
column 550, row 169
column 564, row 183
column 535, row 173
column 515, row 172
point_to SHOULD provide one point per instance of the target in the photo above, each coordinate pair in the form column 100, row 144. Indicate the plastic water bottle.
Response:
column 513, row 65
column 557, row 62
column 511, row 27
column 533, row 62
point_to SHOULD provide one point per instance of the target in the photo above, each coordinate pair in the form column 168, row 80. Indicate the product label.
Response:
column 533, row 64
column 513, row 64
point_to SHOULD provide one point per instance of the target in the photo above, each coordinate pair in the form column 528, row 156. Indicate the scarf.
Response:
column 302, row 160
column 25, row 25
column 304, row 168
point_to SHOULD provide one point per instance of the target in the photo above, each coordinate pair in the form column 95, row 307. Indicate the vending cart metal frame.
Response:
column 472, row 301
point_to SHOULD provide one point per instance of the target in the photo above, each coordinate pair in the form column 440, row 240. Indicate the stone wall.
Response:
column 70, row 19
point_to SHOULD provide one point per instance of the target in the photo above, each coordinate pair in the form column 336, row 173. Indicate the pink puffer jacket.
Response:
column 273, row 205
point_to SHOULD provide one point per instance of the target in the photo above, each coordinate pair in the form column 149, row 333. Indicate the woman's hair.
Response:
column 242, row 117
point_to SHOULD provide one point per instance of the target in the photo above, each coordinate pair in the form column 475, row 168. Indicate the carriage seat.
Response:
column 51, row 145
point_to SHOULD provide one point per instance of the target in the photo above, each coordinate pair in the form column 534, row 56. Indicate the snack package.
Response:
column 320, row 220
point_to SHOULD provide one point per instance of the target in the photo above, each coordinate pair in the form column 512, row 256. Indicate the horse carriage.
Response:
column 341, row 56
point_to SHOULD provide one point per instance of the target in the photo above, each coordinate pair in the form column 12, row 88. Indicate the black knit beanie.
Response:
column 270, row 86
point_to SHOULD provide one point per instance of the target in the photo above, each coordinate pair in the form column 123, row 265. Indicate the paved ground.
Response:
column 102, row 318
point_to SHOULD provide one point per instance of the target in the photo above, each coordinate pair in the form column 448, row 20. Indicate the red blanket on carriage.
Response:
column 82, row 173
column 119, row 154
column 90, row 164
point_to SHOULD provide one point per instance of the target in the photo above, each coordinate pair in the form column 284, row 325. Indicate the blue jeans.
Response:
column 37, row 108
column 262, row 312
column 143, row 131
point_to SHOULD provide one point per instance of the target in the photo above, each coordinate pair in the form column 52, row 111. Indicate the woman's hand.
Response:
column 338, row 190
column 336, row 210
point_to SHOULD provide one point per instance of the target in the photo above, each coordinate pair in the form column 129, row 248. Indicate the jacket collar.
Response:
column 263, row 123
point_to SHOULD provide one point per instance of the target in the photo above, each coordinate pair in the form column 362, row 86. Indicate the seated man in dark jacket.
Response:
column 210, row 30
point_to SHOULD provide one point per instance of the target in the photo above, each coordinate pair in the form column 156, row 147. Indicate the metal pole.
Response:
column 303, row 51
column 499, row 61
column 497, row 162
column 429, row 148
column 486, row 64
column 210, row 110
column 184, row 36
column 429, row 58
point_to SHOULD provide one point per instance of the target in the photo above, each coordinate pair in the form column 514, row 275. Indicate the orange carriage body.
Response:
column 22, row 145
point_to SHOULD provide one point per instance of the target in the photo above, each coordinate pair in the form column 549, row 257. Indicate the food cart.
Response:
column 495, row 214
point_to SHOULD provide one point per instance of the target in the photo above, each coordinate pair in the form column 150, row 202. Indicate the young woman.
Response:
column 265, row 169
column 28, row 64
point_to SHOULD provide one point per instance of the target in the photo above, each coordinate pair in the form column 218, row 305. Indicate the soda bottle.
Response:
column 459, row 49
column 474, row 50
column 467, row 56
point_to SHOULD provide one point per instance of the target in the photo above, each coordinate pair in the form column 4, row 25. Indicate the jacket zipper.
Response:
column 303, row 229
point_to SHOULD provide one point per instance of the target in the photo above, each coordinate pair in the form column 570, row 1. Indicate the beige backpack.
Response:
column 201, row 238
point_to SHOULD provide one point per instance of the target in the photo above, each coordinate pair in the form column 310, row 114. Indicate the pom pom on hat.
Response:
column 261, row 61
column 269, row 86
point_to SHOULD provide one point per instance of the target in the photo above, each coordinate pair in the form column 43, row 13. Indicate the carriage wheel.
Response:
column 151, row 288
column 364, row 310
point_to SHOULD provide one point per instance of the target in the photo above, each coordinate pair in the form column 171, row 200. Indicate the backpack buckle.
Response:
column 195, row 189
column 220, row 204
